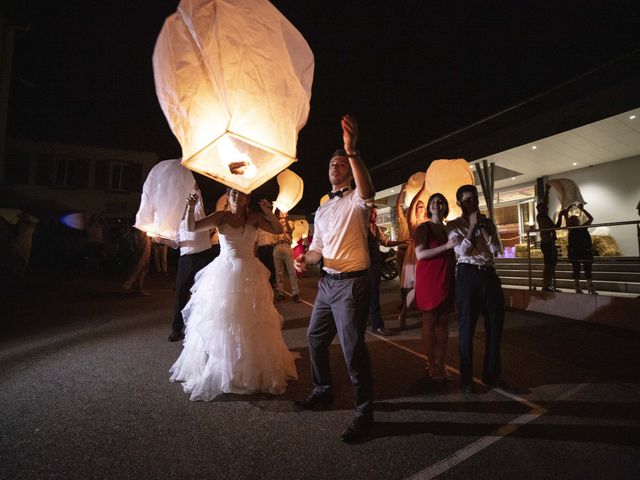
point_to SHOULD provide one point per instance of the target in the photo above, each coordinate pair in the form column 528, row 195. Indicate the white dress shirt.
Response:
column 193, row 242
column 340, row 233
column 476, row 251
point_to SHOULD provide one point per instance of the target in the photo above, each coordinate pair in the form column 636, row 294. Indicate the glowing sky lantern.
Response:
column 414, row 184
column 291, row 189
column 568, row 192
column 234, row 80
column 300, row 231
column 164, row 199
column 445, row 177
column 324, row 199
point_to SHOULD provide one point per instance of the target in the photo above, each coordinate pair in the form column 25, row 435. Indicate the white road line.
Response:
column 463, row 454
column 507, row 429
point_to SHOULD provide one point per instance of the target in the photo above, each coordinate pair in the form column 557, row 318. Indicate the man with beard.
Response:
column 478, row 288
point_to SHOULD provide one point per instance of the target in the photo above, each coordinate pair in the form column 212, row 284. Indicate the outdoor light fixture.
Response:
column 631, row 117
column 291, row 189
column 164, row 199
column 575, row 163
column 533, row 147
column 234, row 82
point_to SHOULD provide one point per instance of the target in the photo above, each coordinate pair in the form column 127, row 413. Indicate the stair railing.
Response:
column 593, row 225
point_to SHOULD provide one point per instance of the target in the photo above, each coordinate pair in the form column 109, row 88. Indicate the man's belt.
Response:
column 345, row 275
column 477, row 267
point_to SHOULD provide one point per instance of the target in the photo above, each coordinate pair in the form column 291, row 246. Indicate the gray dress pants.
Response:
column 342, row 307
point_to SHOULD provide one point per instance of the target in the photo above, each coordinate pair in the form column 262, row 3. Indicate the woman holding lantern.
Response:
column 416, row 215
column 233, row 342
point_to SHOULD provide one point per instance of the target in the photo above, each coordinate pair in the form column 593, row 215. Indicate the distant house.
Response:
column 75, row 178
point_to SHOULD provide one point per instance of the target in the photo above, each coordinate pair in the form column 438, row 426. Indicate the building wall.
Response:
column 612, row 192
column 95, row 193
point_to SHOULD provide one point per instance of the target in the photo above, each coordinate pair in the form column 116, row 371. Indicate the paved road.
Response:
column 84, row 394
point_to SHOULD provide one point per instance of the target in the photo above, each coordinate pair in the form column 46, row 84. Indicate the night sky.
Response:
column 410, row 71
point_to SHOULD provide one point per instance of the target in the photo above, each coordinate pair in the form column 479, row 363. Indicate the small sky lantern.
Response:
column 234, row 81
column 324, row 199
column 300, row 231
column 445, row 177
column 291, row 189
column 414, row 184
column 568, row 192
column 164, row 199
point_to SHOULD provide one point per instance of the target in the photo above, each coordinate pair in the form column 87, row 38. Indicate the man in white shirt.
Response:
column 342, row 303
column 478, row 288
column 196, row 252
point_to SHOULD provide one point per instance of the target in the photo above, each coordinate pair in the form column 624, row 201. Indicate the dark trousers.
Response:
column 374, row 306
column 342, row 307
column 479, row 292
column 265, row 255
column 188, row 266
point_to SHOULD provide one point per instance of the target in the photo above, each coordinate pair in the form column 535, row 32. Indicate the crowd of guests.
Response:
column 233, row 264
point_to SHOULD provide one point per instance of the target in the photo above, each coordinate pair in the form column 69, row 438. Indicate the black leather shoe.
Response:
column 358, row 430
column 383, row 332
column 467, row 388
column 176, row 336
column 315, row 401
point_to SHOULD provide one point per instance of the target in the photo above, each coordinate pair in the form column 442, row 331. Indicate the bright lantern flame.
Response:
column 230, row 154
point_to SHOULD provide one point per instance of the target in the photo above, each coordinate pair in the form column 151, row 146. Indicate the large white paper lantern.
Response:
column 164, row 199
column 291, row 190
column 234, row 80
column 445, row 177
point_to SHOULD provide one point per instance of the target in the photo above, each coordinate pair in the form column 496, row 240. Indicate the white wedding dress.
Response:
column 233, row 342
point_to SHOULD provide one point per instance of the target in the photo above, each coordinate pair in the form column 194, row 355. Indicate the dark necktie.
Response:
column 338, row 193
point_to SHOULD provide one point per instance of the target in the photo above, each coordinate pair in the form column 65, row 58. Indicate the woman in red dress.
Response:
column 434, row 283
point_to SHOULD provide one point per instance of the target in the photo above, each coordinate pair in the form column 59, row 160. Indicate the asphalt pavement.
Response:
column 85, row 394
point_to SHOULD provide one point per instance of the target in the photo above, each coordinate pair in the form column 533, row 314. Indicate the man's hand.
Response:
column 473, row 219
column 300, row 263
column 349, row 133
column 453, row 241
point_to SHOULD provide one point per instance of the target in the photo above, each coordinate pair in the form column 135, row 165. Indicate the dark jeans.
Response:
column 265, row 255
column 479, row 292
column 374, row 306
column 342, row 307
column 188, row 266
column 549, row 253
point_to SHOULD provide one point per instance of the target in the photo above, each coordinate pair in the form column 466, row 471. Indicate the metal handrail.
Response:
column 592, row 225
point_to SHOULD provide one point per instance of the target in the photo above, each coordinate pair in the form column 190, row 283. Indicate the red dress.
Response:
column 435, row 276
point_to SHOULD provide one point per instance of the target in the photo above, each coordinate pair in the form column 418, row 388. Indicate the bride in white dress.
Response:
column 233, row 342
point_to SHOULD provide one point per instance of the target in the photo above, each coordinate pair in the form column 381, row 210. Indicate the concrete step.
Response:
column 567, row 274
column 599, row 285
